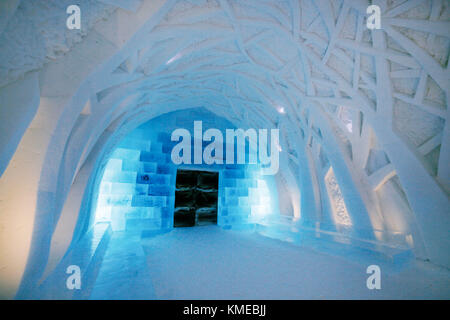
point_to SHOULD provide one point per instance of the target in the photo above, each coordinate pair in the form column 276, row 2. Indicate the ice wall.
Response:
column 137, row 189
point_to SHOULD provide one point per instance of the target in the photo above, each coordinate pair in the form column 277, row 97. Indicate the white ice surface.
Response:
column 212, row 263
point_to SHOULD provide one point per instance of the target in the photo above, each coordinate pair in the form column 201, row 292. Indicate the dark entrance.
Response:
column 195, row 198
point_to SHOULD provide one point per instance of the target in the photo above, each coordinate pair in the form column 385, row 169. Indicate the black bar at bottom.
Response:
column 223, row 309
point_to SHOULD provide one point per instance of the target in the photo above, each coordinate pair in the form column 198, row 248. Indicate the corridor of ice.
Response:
column 86, row 174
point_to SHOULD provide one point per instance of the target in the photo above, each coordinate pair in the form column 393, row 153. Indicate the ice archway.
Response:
column 362, row 110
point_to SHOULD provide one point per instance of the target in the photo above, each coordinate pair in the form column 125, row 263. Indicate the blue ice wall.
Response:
column 137, row 190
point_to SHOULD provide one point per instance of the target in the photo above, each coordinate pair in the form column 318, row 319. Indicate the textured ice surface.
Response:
column 211, row 263
column 140, row 174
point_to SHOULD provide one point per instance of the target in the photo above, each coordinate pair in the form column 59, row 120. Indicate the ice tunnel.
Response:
column 354, row 119
column 138, row 188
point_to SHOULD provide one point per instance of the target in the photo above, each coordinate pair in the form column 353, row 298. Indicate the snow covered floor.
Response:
column 212, row 263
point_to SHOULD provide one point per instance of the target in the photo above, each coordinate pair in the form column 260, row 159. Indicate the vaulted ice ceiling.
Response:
column 272, row 57
column 370, row 103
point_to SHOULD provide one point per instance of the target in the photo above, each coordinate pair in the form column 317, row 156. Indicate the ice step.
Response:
column 258, row 192
column 121, row 153
column 243, row 202
column 138, row 212
column 115, row 200
column 119, row 176
column 128, row 188
column 153, row 178
column 236, row 201
column 164, row 137
column 149, row 201
column 254, row 200
column 160, row 190
column 105, row 187
column 234, row 174
column 114, row 164
column 249, row 201
column 156, row 147
column 137, row 165
column 240, row 182
column 236, row 211
column 122, row 188
column 236, row 192
column 135, row 144
column 164, row 168
column 168, row 147
column 154, row 157
column 232, row 220
column 230, row 201
column 229, row 183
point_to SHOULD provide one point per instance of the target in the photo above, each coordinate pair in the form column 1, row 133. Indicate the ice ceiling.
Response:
column 371, row 105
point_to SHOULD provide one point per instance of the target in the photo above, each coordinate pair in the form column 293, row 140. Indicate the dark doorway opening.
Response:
column 195, row 198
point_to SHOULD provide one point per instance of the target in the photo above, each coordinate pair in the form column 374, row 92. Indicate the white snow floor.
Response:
column 212, row 263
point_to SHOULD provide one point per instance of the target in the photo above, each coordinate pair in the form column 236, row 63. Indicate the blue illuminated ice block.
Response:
column 138, row 187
